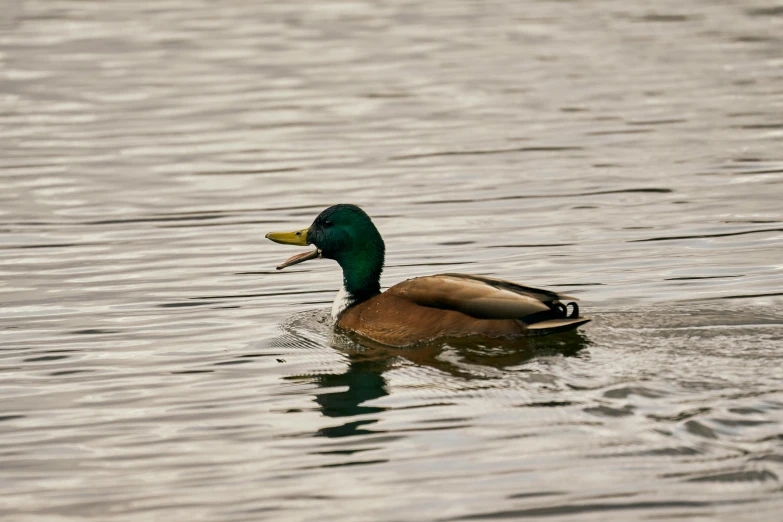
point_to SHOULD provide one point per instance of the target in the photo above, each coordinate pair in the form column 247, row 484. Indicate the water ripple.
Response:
column 155, row 365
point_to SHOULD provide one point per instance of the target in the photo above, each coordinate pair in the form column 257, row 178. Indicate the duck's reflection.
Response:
column 364, row 382
column 364, row 379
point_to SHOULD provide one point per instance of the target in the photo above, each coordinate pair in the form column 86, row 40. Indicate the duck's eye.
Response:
column 328, row 224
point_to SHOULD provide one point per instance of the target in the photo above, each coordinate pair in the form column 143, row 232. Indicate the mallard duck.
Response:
column 422, row 309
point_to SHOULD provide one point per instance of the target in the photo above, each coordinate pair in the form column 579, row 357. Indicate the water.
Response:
column 155, row 366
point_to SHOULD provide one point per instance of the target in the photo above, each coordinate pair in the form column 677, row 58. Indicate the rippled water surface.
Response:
column 155, row 366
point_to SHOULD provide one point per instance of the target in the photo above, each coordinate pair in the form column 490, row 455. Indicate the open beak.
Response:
column 298, row 238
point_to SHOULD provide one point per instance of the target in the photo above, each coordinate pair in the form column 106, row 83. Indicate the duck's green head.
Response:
column 346, row 234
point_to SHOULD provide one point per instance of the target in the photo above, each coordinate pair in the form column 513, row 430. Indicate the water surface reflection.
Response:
column 623, row 152
column 363, row 380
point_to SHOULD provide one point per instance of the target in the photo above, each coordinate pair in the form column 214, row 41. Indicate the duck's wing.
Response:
column 545, row 296
column 480, row 297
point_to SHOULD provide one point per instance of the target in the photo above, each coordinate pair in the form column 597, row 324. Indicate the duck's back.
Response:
column 457, row 305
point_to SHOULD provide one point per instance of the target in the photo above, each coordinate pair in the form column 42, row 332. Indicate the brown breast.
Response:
column 395, row 321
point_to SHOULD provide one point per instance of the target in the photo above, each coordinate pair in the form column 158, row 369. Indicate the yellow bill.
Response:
column 298, row 238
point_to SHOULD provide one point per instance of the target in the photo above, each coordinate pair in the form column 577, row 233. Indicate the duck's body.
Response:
column 424, row 308
column 453, row 306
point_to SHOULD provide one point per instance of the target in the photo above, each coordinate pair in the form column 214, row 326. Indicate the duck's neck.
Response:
column 361, row 275
column 362, row 280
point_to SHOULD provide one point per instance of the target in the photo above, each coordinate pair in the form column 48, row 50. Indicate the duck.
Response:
column 425, row 309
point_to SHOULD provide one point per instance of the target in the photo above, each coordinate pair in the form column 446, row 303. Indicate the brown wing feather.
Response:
column 482, row 298
column 546, row 296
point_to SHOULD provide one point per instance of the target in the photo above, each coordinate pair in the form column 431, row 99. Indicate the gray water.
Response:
column 155, row 366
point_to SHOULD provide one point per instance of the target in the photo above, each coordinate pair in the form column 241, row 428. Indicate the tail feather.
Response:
column 556, row 325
